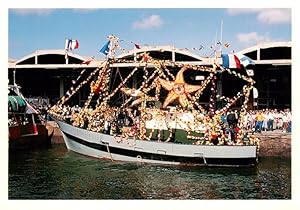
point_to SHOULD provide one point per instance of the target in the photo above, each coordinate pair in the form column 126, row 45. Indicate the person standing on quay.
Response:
column 259, row 120
column 265, row 120
column 270, row 120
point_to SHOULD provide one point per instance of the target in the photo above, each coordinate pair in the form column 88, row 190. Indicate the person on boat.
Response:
column 107, row 127
column 231, row 118
column 122, row 118
column 214, row 139
column 223, row 118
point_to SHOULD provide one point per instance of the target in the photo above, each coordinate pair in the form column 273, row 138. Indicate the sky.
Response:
column 38, row 29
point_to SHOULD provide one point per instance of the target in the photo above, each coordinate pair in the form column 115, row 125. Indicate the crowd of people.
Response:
column 262, row 120
column 40, row 104
column 231, row 128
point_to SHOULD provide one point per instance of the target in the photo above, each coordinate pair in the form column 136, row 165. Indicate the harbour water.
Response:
column 57, row 173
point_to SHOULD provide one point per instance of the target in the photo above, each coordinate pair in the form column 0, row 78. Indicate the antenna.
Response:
column 221, row 36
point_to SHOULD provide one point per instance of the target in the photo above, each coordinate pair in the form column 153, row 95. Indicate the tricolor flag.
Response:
column 105, row 48
column 245, row 61
column 71, row 44
column 231, row 61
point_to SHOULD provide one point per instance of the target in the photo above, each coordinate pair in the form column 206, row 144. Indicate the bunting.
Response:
column 227, row 45
column 87, row 62
column 137, row 46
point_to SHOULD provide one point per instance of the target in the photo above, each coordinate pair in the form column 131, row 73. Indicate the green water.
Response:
column 57, row 173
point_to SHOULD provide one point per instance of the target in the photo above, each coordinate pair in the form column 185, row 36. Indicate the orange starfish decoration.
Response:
column 178, row 89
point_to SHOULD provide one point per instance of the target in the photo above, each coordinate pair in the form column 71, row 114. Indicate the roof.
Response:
column 265, row 45
column 166, row 48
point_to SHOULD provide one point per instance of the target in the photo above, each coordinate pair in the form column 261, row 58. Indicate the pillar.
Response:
column 61, row 87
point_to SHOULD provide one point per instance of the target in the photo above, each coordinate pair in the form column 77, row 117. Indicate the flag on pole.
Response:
column 105, row 48
column 71, row 44
column 231, row 61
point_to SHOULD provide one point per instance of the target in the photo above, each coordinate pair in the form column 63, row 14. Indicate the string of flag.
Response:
column 106, row 46
column 71, row 44
column 228, row 60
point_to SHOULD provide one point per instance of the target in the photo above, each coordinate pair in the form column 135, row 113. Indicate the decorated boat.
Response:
column 156, row 112
column 26, row 128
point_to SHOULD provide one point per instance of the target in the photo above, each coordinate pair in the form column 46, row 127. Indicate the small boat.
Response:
column 160, row 120
column 27, row 129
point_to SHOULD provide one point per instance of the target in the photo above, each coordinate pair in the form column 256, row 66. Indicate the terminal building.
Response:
column 49, row 73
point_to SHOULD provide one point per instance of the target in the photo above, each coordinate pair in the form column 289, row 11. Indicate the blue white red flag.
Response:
column 245, row 60
column 71, row 44
column 231, row 61
column 105, row 48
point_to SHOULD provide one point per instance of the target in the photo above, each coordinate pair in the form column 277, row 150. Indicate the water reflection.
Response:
column 60, row 174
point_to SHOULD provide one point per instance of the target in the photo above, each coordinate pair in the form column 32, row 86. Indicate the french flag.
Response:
column 231, row 61
column 71, row 44
column 245, row 60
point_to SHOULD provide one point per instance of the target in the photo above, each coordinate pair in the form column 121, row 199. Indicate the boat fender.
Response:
column 139, row 158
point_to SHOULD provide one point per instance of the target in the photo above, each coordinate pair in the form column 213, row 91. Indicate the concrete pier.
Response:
column 272, row 143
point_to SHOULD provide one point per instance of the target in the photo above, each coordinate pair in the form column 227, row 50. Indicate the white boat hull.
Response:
column 105, row 146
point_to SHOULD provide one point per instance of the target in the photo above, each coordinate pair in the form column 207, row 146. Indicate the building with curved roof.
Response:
column 273, row 64
column 50, row 72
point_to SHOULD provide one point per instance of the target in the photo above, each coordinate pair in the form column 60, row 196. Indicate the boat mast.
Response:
column 16, row 88
column 14, row 77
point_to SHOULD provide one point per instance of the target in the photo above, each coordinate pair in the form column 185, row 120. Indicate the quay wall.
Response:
column 272, row 143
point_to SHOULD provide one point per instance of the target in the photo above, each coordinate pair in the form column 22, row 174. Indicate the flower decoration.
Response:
column 178, row 89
